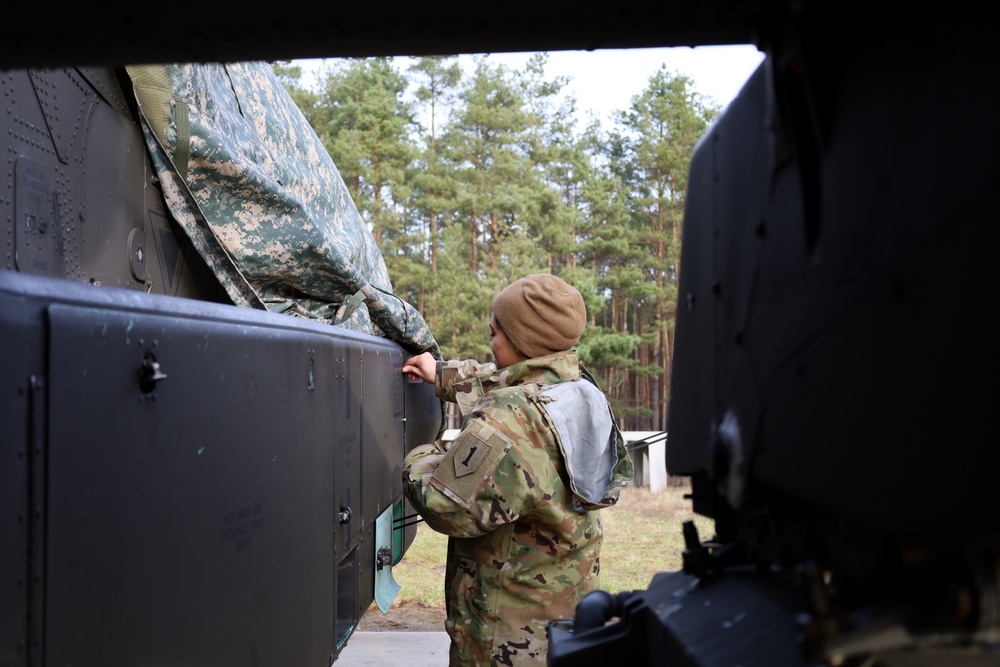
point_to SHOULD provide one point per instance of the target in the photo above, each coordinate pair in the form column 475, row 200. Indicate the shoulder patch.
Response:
column 474, row 455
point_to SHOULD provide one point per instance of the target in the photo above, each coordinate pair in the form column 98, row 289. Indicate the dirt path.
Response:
column 403, row 618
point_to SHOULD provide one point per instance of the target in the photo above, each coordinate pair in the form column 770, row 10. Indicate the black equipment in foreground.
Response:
column 833, row 367
column 189, row 483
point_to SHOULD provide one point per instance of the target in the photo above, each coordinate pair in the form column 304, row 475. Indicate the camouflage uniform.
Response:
column 524, row 548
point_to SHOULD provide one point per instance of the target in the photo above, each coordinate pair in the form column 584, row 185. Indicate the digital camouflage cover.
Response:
column 253, row 186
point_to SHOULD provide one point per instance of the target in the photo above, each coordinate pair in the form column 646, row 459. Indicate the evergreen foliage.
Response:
column 472, row 181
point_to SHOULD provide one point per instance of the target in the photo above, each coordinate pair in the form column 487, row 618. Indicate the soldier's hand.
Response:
column 421, row 367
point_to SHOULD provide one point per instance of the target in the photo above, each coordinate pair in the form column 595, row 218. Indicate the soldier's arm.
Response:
column 483, row 481
column 455, row 376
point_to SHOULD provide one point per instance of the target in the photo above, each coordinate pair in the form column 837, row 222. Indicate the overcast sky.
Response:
column 604, row 81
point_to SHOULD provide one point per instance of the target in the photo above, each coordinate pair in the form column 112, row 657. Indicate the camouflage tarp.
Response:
column 255, row 189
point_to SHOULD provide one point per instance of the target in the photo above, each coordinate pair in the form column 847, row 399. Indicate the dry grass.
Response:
column 642, row 536
column 421, row 572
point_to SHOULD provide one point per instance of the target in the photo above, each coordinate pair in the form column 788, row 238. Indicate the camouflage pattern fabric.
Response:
column 519, row 554
column 259, row 196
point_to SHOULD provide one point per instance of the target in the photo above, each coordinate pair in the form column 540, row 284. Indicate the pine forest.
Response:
column 470, row 180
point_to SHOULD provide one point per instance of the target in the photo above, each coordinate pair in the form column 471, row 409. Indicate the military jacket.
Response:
column 523, row 549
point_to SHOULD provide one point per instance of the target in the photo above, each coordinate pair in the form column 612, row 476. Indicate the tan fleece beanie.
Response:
column 540, row 314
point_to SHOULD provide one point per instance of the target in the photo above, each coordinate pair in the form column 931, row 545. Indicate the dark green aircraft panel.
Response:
column 188, row 482
column 191, row 517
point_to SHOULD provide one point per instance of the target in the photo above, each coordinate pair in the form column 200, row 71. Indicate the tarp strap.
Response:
column 349, row 306
column 182, row 150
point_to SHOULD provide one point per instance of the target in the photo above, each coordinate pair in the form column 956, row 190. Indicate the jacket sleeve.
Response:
column 460, row 382
column 487, row 477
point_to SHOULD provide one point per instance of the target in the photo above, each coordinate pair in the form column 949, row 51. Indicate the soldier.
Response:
column 519, row 491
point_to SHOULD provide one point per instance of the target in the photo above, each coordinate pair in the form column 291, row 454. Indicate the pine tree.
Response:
column 366, row 130
column 660, row 130
column 608, row 250
column 433, row 184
